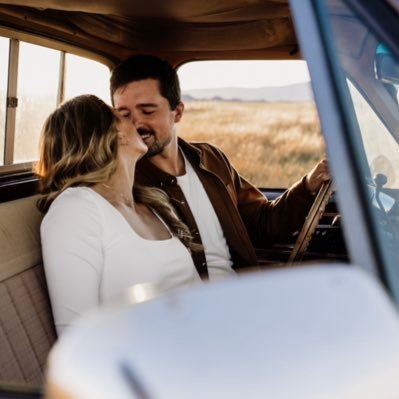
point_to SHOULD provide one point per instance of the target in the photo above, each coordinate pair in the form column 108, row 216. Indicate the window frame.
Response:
column 15, row 37
column 336, row 114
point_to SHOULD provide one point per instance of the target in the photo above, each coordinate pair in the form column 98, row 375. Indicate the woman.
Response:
column 99, row 236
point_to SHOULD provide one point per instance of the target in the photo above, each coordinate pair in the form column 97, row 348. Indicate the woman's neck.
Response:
column 118, row 189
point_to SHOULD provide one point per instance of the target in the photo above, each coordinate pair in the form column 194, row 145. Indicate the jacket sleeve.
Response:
column 269, row 221
column 72, row 257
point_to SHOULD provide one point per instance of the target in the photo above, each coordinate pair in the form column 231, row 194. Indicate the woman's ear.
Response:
column 122, row 139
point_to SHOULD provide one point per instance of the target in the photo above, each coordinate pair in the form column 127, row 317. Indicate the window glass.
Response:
column 84, row 76
column 381, row 148
column 4, row 45
column 260, row 113
column 370, row 75
column 37, row 96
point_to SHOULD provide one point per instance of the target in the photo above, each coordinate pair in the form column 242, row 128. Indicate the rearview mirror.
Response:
column 386, row 66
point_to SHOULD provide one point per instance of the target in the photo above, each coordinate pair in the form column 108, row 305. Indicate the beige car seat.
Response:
column 26, row 326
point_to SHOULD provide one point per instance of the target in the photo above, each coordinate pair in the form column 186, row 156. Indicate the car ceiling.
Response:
column 175, row 29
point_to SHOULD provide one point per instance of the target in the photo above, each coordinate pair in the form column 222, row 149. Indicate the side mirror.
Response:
column 385, row 65
column 310, row 332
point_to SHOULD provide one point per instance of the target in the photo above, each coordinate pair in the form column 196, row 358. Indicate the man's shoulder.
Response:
column 201, row 147
column 204, row 145
column 208, row 156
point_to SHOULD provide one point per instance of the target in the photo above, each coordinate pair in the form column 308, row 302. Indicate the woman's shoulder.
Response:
column 75, row 203
column 76, row 196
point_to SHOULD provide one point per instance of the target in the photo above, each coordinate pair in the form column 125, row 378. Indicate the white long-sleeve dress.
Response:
column 92, row 254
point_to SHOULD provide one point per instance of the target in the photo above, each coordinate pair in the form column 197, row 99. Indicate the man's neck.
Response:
column 170, row 161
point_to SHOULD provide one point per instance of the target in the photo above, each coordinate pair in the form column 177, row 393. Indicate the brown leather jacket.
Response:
column 248, row 219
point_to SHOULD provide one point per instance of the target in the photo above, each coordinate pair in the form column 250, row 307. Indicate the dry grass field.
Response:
column 270, row 144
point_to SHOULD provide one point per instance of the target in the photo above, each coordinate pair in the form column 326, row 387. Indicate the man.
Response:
column 224, row 212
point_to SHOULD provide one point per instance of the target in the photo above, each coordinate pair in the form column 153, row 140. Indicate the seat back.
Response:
column 26, row 325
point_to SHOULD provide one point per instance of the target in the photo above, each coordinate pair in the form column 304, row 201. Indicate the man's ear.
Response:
column 179, row 112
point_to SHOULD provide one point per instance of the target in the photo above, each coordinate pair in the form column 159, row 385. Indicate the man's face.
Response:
column 141, row 103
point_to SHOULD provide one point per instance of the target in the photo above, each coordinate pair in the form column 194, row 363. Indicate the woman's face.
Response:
column 130, row 142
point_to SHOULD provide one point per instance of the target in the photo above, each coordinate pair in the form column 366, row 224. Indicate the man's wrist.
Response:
column 307, row 186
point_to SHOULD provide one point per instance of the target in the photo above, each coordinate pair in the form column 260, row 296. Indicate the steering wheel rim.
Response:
column 311, row 221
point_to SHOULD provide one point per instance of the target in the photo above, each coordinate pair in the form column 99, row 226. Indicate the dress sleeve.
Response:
column 71, row 235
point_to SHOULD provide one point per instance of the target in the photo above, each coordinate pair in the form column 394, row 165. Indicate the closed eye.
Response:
column 145, row 112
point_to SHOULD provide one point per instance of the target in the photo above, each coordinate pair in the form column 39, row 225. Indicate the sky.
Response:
column 250, row 74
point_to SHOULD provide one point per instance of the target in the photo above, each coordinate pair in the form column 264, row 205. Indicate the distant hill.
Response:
column 295, row 92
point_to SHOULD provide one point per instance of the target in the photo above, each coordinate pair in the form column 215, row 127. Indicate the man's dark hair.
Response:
column 140, row 67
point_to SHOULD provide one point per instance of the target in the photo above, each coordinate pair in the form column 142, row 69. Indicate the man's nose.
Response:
column 136, row 120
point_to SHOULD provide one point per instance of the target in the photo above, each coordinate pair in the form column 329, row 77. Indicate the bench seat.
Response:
column 26, row 325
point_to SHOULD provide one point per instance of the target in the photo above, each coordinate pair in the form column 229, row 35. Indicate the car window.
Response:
column 380, row 146
column 37, row 97
column 369, row 75
column 34, row 81
column 86, row 76
column 260, row 113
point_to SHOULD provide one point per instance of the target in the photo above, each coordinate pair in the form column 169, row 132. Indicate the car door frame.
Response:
column 337, row 122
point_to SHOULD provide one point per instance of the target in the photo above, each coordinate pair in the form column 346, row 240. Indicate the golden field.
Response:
column 270, row 144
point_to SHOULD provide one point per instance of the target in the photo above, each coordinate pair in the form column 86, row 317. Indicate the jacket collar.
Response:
column 194, row 154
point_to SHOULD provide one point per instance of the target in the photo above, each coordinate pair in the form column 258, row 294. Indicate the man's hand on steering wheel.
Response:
column 317, row 181
column 317, row 176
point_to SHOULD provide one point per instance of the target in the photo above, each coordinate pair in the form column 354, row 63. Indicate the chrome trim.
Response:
column 11, row 112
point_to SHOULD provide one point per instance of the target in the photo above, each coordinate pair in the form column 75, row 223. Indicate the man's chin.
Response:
column 152, row 151
column 155, row 147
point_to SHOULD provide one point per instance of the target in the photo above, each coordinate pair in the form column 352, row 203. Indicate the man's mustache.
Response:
column 142, row 131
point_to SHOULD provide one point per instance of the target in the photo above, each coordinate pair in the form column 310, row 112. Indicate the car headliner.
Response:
column 178, row 30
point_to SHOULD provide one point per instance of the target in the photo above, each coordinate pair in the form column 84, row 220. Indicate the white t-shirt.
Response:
column 217, row 252
column 92, row 254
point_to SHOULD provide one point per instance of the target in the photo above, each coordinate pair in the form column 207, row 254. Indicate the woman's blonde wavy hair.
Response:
column 78, row 147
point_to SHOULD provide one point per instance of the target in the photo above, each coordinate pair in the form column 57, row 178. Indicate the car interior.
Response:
column 108, row 32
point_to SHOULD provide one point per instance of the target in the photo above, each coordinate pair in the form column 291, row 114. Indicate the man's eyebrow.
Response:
column 123, row 108
column 142, row 105
column 145, row 105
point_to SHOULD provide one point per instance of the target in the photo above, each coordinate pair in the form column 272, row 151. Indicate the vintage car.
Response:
column 327, row 329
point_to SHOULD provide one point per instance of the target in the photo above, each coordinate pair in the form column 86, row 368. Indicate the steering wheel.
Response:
column 311, row 221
